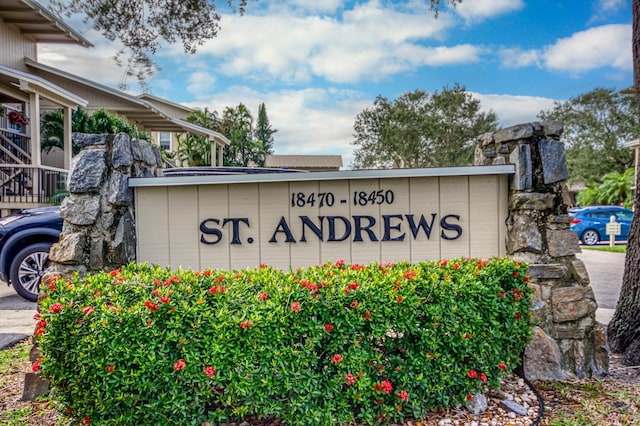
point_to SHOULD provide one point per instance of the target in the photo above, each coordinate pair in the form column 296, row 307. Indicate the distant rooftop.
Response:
column 305, row 162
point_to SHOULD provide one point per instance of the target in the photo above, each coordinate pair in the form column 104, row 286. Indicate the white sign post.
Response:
column 613, row 229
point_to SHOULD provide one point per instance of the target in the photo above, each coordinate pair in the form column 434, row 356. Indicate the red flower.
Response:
column 37, row 316
column 36, row 365
column 339, row 263
column 86, row 420
column 152, row 306
column 386, row 386
column 410, row 275
column 263, row 296
column 51, row 287
column 403, row 395
column 502, row 366
column 165, row 299
column 502, row 294
column 351, row 379
column 443, row 262
column 263, row 266
column 88, row 310
column 355, row 304
column 295, row 307
column 467, row 336
column 470, row 397
column 518, row 315
column 114, row 272
column 55, row 308
column 515, row 274
column 179, row 364
column 456, row 266
column 472, row 374
column 336, row 359
column 367, row 315
column 399, row 299
column 483, row 378
column 246, row 324
column 210, row 371
column 328, row 328
column 217, row 289
column 110, row 368
column 526, row 278
column 156, row 293
column 353, row 286
column 171, row 280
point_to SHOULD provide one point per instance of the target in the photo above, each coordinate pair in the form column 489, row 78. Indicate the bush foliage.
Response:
column 327, row 345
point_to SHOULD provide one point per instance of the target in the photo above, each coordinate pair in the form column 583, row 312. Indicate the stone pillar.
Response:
column 99, row 228
column 566, row 341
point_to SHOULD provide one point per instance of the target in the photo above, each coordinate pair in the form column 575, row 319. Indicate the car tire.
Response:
column 27, row 269
column 590, row 237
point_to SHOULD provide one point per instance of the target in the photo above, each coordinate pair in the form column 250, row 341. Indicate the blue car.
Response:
column 590, row 223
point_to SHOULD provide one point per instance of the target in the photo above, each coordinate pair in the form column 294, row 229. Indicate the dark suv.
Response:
column 25, row 240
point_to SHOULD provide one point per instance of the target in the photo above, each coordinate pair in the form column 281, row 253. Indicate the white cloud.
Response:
column 517, row 58
column 598, row 47
column 479, row 10
column 605, row 8
column 201, row 83
column 514, row 109
column 369, row 42
column 607, row 45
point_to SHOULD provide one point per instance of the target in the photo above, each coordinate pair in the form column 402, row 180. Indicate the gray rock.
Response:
column 83, row 140
column 478, row 405
column 121, row 156
column 489, row 152
column 142, row 151
column 80, row 209
column 97, row 254
column 531, row 201
column 524, row 235
column 523, row 177
column 542, row 357
column 119, row 192
column 123, row 245
column 513, row 407
column 554, row 162
column 553, row 128
column 601, row 357
column 87, row 171
column 562, row 242
column 158, row 155
column 546, row 271
column 485, row 139
column 580, row 271
column 499, row 161
column 69, row 250
column 513, row 133
column 572, row 303
column 34, row 387
column 574, row 330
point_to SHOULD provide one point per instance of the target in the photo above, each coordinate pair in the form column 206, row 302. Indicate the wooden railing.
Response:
column 15, row 147
column 26, row 184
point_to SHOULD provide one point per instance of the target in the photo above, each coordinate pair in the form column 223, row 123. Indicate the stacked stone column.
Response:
column 567, row 342
column 98, row 231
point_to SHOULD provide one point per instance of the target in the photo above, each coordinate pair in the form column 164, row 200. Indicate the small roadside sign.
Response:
column 612, row 229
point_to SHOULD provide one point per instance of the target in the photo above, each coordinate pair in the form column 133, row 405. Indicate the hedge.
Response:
column 326, row 345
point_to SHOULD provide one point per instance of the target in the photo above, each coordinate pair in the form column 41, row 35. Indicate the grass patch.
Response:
column 12, row 360
column 622, row 248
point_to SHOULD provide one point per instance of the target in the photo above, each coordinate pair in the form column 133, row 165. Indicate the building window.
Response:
column 165, row 141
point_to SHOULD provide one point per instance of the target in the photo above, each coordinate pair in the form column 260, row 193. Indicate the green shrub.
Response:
column 326, row 345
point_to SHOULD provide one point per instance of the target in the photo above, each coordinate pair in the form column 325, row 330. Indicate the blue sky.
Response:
column 316, row 64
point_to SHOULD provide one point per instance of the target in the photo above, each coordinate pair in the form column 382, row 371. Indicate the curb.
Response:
column 8, row 340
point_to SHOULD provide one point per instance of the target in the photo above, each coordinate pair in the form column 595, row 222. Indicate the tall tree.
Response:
column 264, row 132
column 623, row 333
column 596, row 126
column 419, row 129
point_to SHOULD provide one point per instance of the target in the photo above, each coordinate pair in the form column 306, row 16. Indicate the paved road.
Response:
column 16, row 316
column 605, row 271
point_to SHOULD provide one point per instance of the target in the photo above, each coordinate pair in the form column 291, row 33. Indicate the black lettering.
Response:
column 210, row 231
column 422, row 223
column 235, row 226
column 306, row 222
column 331, row 220
column 386, row 218
column 283, row 227
column 446, row 226
column 357, row 222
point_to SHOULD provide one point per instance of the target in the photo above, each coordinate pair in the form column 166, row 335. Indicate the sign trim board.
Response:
column 302, row 219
